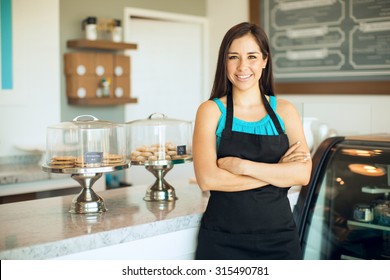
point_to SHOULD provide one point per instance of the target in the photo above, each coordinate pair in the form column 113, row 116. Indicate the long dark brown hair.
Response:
column 222, row 86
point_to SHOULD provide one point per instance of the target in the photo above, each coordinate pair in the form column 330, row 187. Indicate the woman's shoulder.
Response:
column 218, row 104
column 284, row 104
column 285, row 108
column 208, row 107
column 208, row 114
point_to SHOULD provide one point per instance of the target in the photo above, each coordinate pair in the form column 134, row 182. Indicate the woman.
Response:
column 242, row 155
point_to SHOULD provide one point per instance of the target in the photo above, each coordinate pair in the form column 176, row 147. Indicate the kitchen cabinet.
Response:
column 344, row 212
column 97, row 75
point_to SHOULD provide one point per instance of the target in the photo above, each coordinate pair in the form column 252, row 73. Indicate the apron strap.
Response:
column 272, row 114
column 230, row 112
column 229, row 116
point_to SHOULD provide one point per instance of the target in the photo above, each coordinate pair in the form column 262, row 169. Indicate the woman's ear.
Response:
column 265, row 63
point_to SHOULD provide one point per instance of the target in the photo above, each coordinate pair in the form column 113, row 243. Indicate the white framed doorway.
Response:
column 169, row 72
column 171, row 62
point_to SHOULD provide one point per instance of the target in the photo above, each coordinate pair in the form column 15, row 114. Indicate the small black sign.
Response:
column 181, row 150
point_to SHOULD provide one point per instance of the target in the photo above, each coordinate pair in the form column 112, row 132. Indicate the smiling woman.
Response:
column 6, row 44
column 248, row 149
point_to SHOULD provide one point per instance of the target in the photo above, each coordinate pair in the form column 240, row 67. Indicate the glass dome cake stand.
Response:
column 161, row 190
column 159, row 143
column 87, row 201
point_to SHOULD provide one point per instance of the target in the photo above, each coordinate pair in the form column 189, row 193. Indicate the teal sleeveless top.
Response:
column 265, row 126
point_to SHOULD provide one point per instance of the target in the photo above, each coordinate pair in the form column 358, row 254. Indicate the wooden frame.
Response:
column 328, row 87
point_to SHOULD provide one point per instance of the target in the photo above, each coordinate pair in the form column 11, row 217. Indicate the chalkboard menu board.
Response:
column 328, row 39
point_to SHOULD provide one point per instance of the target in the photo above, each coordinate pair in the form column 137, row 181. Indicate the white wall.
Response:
column 34, row 102
column 223, row 14
column 347, row 114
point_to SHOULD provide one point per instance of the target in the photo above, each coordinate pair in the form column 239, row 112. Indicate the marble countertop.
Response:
column 44, row 228
column 22, row 173
column 22, row 169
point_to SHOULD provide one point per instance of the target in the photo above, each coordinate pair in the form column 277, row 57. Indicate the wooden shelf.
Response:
column 100, row 101
column 100, row 45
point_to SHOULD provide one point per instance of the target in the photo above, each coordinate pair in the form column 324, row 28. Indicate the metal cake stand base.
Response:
column 161, row 190
column 87, row 201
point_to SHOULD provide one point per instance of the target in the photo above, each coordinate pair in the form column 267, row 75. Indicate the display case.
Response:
column 344, row 212
column 159, row 143
column 86, row 148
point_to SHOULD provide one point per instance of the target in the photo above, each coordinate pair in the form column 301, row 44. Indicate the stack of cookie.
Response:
column 112, row 160
column 63, row 162
column 156, row 152
column 80, row 162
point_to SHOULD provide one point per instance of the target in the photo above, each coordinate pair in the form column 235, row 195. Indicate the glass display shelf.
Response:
column 355, row 224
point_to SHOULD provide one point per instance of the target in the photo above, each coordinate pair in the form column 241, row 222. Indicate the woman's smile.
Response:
column 243, row 77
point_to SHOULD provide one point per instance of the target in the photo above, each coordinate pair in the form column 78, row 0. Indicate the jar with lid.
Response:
column 117, row 31
column 363, row 213
column 90, row 26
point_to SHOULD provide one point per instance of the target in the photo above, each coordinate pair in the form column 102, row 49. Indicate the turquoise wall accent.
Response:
column 6, row 44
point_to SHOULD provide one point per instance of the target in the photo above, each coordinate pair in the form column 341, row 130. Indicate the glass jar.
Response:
column 363, row 213
column 379, row 206
column 117, row 31
column 90, row 28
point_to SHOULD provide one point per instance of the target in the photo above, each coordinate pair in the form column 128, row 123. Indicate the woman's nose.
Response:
column 243, row 63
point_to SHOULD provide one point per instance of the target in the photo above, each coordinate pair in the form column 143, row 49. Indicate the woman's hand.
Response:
column 231, row 164
column 292, row 155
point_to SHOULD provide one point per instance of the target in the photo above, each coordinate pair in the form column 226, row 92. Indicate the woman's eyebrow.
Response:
column 254, row 52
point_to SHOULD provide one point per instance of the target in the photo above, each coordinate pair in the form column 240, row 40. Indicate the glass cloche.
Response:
column 85, row 143
column 159, row 143
column 159, row 140
column 86, row 148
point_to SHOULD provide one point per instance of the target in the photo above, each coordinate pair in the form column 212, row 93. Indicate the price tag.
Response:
column 93, row 157
column 181, row 150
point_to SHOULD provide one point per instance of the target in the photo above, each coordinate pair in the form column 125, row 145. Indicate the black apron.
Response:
column 253, row 224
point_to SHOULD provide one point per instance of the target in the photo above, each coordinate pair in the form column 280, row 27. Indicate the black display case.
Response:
column 344, row 212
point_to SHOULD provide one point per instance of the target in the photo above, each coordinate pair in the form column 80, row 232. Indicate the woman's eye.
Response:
column 233, row 57
column 252, row 57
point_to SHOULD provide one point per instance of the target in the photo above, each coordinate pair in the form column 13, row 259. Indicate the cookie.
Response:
column 61, row 166
column 112, row 159
column 62, row 162
column 64, row 158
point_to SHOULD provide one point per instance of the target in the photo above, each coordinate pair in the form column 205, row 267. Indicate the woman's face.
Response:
column 245, row 63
